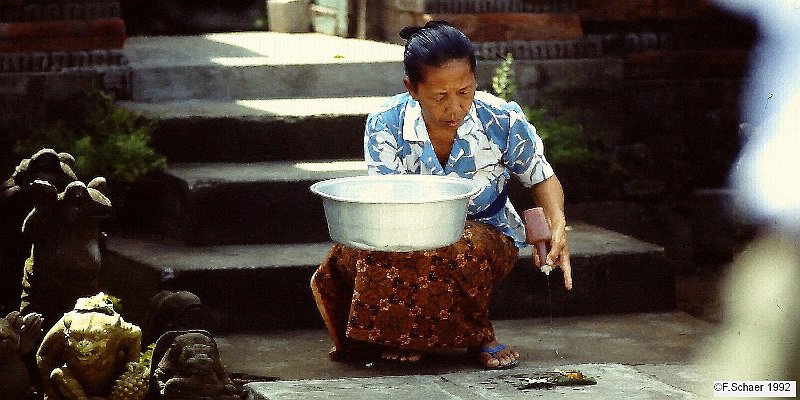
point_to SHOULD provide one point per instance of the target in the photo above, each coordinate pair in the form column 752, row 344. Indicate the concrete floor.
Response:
column 663, row 338
column 626, row 352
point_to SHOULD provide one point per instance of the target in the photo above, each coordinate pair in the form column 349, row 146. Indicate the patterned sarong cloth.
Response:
column 416, row 300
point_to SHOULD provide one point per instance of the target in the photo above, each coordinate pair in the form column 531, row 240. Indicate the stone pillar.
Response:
column 400, row 13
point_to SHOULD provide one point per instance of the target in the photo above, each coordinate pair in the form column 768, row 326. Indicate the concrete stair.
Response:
column 243, row 203
column 248, row 130
column 261, row 65
column 266, row 286
column 248, row 121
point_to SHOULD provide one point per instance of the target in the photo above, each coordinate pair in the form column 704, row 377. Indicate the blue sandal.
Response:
column 492, row 351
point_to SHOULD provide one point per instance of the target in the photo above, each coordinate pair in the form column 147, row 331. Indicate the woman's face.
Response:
column 445, row 94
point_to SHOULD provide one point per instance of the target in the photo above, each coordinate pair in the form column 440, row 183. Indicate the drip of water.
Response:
column 546, row 269
column 549, row 300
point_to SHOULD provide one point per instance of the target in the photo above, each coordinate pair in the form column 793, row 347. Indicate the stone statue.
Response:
column 18, row 336
column 16, row 202
column 65, row 230
column 190, row 368
column 88, row 351
column 175, row 311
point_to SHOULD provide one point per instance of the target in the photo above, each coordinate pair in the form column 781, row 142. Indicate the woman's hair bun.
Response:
column 409, row 31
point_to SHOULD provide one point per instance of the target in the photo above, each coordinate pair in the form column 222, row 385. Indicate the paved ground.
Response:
column 644, row 356
column 615, row 381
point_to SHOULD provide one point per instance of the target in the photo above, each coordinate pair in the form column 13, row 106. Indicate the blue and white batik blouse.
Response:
column 494, row 141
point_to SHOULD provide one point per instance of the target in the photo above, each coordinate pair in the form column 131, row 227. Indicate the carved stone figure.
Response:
column 18, row 336
column 65, row 230
column 190, row 369
column 87, row 351
column 16, row 201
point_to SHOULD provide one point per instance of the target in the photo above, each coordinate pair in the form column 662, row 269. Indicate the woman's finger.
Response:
column 567, row 268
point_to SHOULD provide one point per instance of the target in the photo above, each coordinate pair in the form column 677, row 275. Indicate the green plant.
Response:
column 106, row 140
column 586, row 171
column 503, row 80
column 146, row 357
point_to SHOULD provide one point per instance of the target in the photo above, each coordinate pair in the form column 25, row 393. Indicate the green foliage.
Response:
column 147, row 355
column 503, row 81
column 116, row 302
column 106, row 141
column 563, row 135
column 585, row 170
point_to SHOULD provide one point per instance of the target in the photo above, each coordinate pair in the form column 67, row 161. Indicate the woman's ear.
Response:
column 412, row 90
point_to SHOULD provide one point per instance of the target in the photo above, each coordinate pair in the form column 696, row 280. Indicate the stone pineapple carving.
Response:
column 132, row 384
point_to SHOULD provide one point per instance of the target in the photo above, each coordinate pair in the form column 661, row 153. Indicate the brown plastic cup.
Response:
column 538, row 233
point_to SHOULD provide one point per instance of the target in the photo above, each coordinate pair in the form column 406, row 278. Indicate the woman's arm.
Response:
column 524, row 156
column 549, row 195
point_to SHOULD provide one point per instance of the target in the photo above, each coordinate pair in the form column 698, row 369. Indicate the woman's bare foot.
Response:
column 404, row 355
column 494, row 355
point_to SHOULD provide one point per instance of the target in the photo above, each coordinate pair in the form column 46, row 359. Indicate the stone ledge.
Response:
column 501, row 6
column 540, row 50
column 54, row 29
column 62, row 43
column 55, row 61
column 59, row 11
column 496, row 27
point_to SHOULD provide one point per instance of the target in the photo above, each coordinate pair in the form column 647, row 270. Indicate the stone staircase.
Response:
column 248, row 121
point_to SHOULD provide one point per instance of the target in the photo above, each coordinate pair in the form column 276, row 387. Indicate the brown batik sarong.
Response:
column 414, row 300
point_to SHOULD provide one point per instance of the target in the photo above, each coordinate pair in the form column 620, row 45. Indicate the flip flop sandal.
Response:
column 492, row 351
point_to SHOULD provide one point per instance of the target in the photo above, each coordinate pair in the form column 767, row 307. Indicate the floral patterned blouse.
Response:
column 494, row 141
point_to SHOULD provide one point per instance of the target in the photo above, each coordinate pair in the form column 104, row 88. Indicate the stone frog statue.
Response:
column 190, row 368
column 16, row 202
column 18, row 336
column 89, row 353
column 65, row 230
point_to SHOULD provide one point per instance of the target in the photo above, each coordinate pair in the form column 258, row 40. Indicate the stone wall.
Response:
column 52, row 51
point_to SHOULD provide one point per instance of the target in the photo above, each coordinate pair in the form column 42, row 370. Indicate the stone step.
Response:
column 242, row 203
column 261, row 65
column 236, row 203
column 266, row 287
column 251, row 130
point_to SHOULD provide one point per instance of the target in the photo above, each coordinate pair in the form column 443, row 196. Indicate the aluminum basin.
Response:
column 395, row 212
